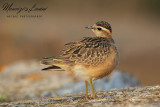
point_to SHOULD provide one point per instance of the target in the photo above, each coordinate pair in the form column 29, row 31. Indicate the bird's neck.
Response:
column 105, row 35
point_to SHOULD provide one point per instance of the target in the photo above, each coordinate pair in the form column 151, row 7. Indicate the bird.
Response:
column 89, row 58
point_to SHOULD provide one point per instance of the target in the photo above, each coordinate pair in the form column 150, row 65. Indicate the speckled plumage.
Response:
column 89, row 58
column 90, row 50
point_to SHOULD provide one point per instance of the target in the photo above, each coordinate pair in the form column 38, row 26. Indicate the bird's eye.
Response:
column 99, row 28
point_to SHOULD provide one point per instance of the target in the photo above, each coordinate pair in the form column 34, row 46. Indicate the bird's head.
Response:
column 101, row 29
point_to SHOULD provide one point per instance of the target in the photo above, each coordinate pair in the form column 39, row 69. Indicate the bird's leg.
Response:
column 86, row 89
column 90, row 82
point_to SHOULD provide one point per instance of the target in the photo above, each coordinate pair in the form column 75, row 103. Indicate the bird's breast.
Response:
column 103, row 68
column 98, row 71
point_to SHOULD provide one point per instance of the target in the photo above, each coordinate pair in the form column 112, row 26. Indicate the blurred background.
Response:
column 135, row 24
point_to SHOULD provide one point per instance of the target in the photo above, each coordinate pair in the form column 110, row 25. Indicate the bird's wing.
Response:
column 89, row 50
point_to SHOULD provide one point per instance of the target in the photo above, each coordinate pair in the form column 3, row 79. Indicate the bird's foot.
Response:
column 89, row 97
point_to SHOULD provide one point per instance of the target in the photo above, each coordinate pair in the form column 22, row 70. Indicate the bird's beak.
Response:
column 89, row 27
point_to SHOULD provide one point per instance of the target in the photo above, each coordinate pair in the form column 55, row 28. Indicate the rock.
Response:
column 148, row 96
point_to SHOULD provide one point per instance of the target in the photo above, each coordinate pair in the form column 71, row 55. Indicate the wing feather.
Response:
column 89, row 50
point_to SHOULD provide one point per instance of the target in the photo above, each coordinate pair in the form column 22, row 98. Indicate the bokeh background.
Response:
column 135, row 24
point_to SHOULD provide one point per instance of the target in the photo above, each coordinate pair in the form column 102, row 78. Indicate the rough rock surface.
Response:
column 138, row 96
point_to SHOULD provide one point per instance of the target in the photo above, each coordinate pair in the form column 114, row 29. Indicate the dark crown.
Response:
column 105, row 25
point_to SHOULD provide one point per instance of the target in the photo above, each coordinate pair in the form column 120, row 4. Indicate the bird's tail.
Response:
column 47, row 61
column 50, row 61
column 53, row 67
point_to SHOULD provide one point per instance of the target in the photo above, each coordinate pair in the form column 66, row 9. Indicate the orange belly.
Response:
column 97, row 71
column 103, row 69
